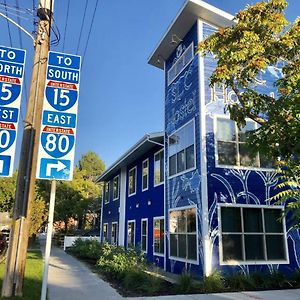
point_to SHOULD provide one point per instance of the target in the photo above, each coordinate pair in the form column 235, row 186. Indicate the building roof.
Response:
column 145, row 144
column 187, row 16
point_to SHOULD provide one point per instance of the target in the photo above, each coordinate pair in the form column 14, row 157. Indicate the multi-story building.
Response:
column 213, row 210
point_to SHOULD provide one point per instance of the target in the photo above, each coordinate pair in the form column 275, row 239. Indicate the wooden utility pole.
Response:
column 16, row 256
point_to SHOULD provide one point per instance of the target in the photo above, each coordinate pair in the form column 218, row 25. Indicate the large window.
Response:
column 145, row 175
column 183, row 234
column 159, row 167
column 132, row 182
column 182, row 149
column 158, row 235
column 106, row 192
column 116, row 188
column 252, row 234
column 105, row 232
column 114, row 233
column 231, row 145
column 130, row 234
column 144, row 234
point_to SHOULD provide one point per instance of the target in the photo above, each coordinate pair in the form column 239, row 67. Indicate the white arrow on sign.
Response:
column 58, row 166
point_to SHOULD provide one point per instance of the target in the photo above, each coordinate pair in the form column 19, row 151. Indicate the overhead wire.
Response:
column 82, row 25
column 89, row 34
column 8, row 25
column 66, row 24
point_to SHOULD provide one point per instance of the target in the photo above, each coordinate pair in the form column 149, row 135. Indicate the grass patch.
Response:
column 33, row 277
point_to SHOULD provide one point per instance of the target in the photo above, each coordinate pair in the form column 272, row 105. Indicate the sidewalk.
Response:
column 69, row 279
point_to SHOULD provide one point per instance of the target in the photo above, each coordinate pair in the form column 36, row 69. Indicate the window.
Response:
column 116, row 188
column 106, row 192
column 145, row 174
column 132, row 181
column 159, row 167
column 252, row 234
column 183, row 234
column 181, row 63
column 182, row 149
column 114, row 233
column 158, row 235
column 231, row 145
column 130, row 234
column 105, row 232
column 144, row 234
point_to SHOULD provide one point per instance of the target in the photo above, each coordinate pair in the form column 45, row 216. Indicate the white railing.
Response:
column 69, row 240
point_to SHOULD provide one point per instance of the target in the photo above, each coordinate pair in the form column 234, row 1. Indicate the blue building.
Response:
column 213, row 209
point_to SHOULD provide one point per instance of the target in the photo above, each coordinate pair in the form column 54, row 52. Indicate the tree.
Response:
column 7, row 192
column 262, row 39
column 91, row 165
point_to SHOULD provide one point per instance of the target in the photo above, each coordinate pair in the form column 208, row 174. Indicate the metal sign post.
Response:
column 48, row 240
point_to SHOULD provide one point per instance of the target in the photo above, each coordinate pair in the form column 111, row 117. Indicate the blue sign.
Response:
column 9, row 92
column 4, row 165
column 54, row 118
column 55, row 169
column 59, row 119
column 12, row 54
column 10, row 114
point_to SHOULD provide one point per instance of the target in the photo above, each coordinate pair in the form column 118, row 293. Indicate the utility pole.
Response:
column 16, row 257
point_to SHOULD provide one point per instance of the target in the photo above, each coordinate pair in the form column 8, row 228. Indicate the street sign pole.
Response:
column 48, row 240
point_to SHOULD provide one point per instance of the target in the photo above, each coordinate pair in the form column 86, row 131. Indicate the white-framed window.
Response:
column 105, row 232
column 159, row 167
column 231, row 148
column 114, row 233
column 131, row 234
column 144, row 235
column 132, row 181
column 145, row 175
column 186, row 57
column 252, row 234
column 106, row 192
column 182, row 149
column 158, row 235
column 183, row 234
column 116, row 188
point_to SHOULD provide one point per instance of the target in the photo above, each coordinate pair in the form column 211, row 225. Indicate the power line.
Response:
column 82, row 24
column 89, row 34
column 65, row 33
column 8, row 26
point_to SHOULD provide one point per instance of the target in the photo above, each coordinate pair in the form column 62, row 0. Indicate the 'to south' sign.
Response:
column 11, row 78
column 59, row 118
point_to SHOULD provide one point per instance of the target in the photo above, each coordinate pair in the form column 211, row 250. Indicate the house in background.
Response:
column 213, row 209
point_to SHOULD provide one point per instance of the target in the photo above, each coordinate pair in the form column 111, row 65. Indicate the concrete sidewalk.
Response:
column 69, row 279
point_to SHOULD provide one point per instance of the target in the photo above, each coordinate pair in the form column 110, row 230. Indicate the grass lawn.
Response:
column 33, row 277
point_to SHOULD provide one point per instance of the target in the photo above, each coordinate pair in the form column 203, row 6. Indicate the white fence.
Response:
column 69, row 240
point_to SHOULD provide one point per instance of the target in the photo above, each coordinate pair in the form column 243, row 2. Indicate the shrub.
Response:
column 296, row 278
column 115, row 260
column 185, row 282
column 86, row 249
column 213, row 283
column 240, row 282
column 276, row 280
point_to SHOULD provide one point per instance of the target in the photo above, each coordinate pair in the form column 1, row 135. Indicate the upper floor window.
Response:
column 106, row 192
column 132, row 182
column 182, row 149
column 159, row 167
column 231, row 147
column 116, row 188
column 145, row 175
column 252, row 234
column 186, row 57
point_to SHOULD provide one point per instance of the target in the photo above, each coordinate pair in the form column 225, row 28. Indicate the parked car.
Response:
column 3, row 243
column 5, row 232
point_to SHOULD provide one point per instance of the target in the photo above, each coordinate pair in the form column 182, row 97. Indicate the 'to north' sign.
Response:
column 12, row 63
column 59, row 118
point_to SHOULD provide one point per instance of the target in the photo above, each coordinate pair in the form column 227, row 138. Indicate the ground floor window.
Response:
column 131, row 234
column 183, row 234
column 105, row 232
column 144, row 234
column 114, row 233
column 158, row 235
column 252, row 234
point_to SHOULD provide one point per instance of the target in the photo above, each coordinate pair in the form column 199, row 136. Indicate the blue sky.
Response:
column 121, row 96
